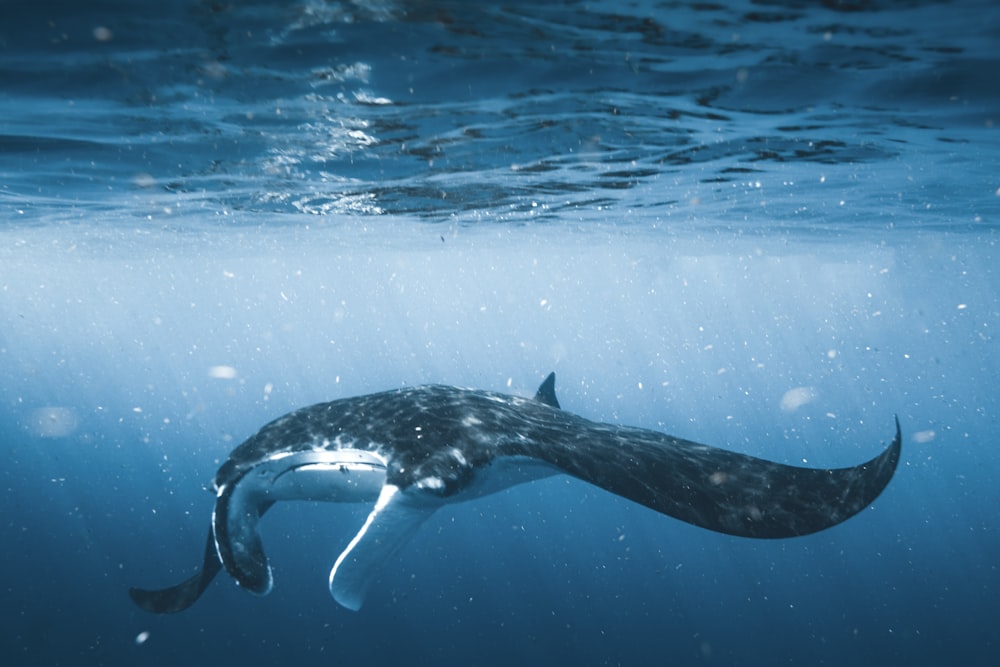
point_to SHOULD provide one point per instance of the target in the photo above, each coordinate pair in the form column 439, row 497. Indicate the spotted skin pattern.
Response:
column 413, row 450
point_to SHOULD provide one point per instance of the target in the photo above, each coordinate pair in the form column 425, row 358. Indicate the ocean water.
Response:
column 765, row 225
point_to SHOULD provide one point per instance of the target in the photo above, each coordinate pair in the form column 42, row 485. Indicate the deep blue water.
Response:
column 693, row 212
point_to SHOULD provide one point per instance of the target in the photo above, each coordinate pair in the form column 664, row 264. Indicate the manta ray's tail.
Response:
column 183, row 595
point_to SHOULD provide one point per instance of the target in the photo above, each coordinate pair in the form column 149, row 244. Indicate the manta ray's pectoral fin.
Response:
column 183, row 595
column 396, row 517
column 547, row 391
column 721, row 490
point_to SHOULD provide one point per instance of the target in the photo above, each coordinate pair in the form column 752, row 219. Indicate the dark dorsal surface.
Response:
column 452, row 434
column 437, row 441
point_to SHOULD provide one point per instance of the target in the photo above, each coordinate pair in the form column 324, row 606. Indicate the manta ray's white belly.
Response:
column 502, row 474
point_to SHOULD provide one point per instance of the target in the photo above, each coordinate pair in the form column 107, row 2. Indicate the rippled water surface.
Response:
column 699, row 112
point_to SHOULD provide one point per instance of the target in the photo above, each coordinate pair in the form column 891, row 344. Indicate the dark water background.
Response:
column 767, row 225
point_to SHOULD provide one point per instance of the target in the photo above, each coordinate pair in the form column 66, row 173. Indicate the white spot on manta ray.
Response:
column 471, row 420
column 340, row 443
column 430, row 483
column 457, row 454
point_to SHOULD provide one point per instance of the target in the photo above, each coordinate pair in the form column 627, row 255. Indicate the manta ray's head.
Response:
column 273, row 465
column 345, row 475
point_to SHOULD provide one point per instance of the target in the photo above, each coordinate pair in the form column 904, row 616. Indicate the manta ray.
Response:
column 412, row 450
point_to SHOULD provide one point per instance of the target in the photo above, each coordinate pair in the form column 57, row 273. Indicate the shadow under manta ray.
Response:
column 413, row 450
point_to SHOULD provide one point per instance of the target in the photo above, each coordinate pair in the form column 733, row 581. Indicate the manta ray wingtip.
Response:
column 169, row 600
column 895, row 449
column 178, row 598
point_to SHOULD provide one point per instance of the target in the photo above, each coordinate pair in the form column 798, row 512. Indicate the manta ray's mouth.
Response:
column 344, row 475
column 337, row 481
